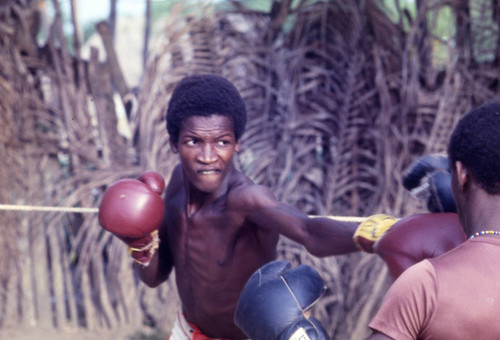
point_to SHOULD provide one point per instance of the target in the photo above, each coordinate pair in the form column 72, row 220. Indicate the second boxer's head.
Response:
column 475, row 142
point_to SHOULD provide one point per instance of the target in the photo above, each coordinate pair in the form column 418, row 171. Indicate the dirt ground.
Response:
column 38, row 333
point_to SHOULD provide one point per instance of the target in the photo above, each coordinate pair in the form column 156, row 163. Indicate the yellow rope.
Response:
column 82, row 210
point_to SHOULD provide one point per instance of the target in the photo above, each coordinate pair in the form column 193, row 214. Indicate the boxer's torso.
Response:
column 215, row 250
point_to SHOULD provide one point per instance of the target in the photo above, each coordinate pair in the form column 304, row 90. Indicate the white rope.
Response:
column 83, row 210
column 18, row 207
column 345, row 218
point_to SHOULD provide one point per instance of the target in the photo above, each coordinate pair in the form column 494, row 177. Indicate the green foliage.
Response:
column 441, row 24
column 395, row 8
column 442, row 28
column 159, row 9
column 260, row 6
column 484, row 30
column 88, row 30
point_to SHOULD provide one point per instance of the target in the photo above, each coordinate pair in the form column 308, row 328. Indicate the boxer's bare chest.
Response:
column 204, row 239
column 203, row 251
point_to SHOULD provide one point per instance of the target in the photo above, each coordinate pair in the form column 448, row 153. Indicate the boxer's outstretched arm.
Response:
column 321, row 236
column 326, row 237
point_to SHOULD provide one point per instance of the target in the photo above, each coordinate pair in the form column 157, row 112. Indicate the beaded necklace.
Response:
column 484, row 232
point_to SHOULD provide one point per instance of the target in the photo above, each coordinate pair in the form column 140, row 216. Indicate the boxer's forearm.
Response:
column 155, row 273
column 327, row 237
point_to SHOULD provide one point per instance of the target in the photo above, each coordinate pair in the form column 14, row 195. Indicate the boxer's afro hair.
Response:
column 476, row 143
column 205, row 95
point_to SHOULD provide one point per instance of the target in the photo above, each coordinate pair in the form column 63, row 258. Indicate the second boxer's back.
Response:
column 472, row 312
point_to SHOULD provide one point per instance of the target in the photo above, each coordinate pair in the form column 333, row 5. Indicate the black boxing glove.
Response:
column 441, row 197
column 275, row 301
column 429, row 179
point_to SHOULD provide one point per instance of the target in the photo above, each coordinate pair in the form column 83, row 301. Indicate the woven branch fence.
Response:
column 340, row 97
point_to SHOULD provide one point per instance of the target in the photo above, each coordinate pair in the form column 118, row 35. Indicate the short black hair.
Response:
column 476, row 143
column 205, row 95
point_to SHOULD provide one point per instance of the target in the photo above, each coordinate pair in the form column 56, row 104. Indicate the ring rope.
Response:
column 83, row 210
column 17, row 207
column 343, row 218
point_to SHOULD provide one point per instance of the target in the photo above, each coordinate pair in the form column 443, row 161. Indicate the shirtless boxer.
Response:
column 218, row 226
column 455, row 295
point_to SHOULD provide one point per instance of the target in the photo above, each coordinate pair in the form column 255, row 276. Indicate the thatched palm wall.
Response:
column 340, row 100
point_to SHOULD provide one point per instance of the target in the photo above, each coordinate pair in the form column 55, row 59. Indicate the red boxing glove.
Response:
column 154, row 180
column 132, row 209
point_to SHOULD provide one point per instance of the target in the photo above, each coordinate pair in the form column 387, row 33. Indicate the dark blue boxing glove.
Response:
column 429, row 178
column 304, row 329
column 275, row 301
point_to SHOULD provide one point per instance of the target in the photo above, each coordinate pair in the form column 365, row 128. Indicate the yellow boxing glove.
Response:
column 371, row 229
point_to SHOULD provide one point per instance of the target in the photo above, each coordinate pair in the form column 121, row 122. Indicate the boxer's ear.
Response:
column 462, row 174
column 173, row 145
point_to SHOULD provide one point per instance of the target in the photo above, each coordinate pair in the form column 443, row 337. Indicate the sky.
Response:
column 94, row 10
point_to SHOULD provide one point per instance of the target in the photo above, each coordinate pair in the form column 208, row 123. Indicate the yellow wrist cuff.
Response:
column 371, row 229
column 151, row 246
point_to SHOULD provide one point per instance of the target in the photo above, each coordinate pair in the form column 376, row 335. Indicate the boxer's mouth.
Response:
column 208, row 172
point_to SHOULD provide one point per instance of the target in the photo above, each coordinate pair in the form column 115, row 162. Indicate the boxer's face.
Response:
column 206, row 148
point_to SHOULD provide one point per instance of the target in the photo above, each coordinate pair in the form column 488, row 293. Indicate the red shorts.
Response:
column 184, row 330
